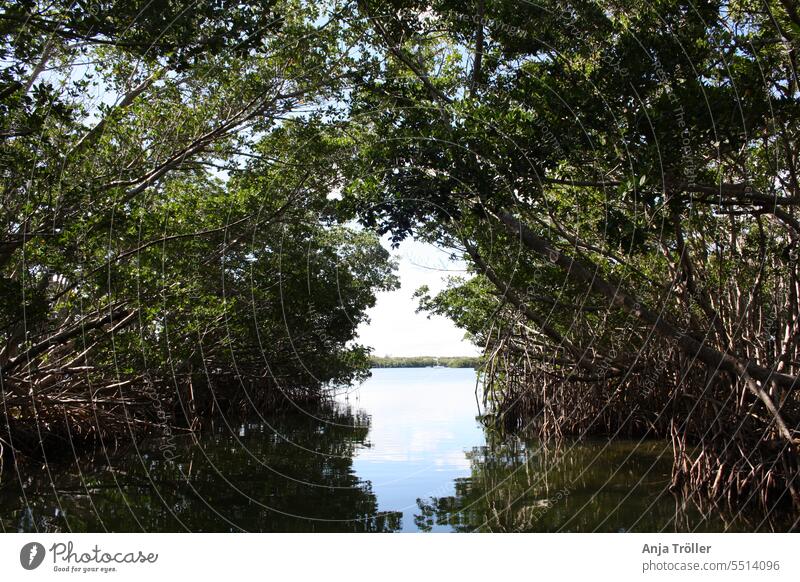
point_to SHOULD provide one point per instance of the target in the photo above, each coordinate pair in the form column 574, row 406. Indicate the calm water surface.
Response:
column 402, row 452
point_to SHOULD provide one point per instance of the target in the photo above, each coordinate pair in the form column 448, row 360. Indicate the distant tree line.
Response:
column 424, row 362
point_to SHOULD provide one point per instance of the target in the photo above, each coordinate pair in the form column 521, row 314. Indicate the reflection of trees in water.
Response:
column 247, row 477
column 256, row 479
column 499, row 474
column 593, row 486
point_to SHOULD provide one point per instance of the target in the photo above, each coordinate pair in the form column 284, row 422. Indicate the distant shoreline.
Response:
column 425, row 362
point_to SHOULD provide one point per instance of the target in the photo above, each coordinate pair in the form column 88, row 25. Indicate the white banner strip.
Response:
column 334, row 557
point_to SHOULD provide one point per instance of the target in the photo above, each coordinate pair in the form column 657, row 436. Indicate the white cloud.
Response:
column 395, row 329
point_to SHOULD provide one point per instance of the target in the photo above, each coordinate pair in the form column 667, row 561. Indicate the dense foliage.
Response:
column 166, row 242
column 622, row 177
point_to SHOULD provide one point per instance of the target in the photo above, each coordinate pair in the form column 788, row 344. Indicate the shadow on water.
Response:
column 408, row 465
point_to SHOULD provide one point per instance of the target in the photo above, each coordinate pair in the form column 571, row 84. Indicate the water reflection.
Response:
column 401, row 453
column 518, row 486
column 292, row 474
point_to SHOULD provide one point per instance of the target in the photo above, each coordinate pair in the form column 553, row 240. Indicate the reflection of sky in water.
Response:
column 423, row 421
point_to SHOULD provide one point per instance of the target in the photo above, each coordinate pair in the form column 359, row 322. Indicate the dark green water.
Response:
column 403, row 452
